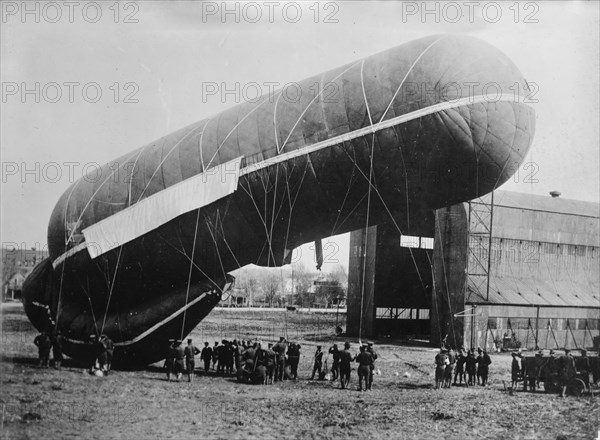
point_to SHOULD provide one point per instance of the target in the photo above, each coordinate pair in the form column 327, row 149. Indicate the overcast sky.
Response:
column 159, row 54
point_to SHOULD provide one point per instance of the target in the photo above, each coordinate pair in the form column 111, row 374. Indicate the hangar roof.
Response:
column 510, row 199
column 530, row 291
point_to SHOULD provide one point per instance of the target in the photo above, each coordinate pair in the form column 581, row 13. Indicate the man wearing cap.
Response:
column 335, row 368
column 318, row 363
column 44, row 344
column 440, row 367
column 346, row 359
column 583, row 365
column 215, row 355
column 485, row 368
column 178, row 359
column 373, row 353
column 169, row 360
column 460, row 367
column 294, row 359
column 206, row 356
column 281, row 349
column 190, row 352
column 270, row 361
column 471, row 367
column 365, row 362
column 566, row 371
column 479, row 365
column 515, row 369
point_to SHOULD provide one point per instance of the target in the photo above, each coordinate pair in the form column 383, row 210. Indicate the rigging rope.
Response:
column 362, row 294
column 112, row 285
column 190, row 273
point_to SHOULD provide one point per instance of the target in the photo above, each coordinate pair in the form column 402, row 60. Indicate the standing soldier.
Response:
column 584, row 367
column 335, row 368
column 471, row 366
column 365, row 363
column 566, row 372
column 440, row 368
column 215, row 355
column 270, row 361
column 345, row 361
column 373, row 354
column 237, row 354
column 318, row 363
column 170, row 359
column 515, row 370
column 449, row 368
column 57, row 353
column 460, row 367
column 479, row 365
column 294, row 359
column 44, row 344
column 485, row 368
column 178, row 359
column 281, row 349
column 206, row 356
column 190, row 352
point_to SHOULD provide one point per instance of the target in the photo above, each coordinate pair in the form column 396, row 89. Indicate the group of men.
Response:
column 101, row 349
column 47, row 341
column 464, row 365
column 565, row 366
column 254, row 362
column 102, row 354
column 246, row 359
column 342, row 365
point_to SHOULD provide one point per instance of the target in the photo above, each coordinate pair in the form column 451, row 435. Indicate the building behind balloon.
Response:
column 510, row 270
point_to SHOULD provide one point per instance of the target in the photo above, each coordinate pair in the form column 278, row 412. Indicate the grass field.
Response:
column 49, row 404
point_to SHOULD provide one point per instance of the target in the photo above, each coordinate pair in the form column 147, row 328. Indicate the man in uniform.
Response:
column 206, row 356
column 460, row 367
column 57, row 353
column 480, row 364
column 583, row 365
column 44, row 344
column 471, row 367
column 294, row 359
column 318, row 363
column 515, row 369
column 170, row 359
column 190, row 352
column 270, row 361
column 365, row 363
column 346, row 359
column 249, row 357
column 281, row 349
column 373, row 353
column 567, row 371
column 215, row 355
column 449, row 368
column 485, row 368
column 335, row 368
column 440, row 367
column 178, row 359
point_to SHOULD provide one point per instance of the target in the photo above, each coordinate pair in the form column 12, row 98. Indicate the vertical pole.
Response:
column 489, row 265
column 473, row 326
column 537, row 318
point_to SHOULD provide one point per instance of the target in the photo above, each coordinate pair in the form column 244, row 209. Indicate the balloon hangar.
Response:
column 407, row 143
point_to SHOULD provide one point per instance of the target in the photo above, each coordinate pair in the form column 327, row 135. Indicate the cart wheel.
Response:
column 577, row 387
